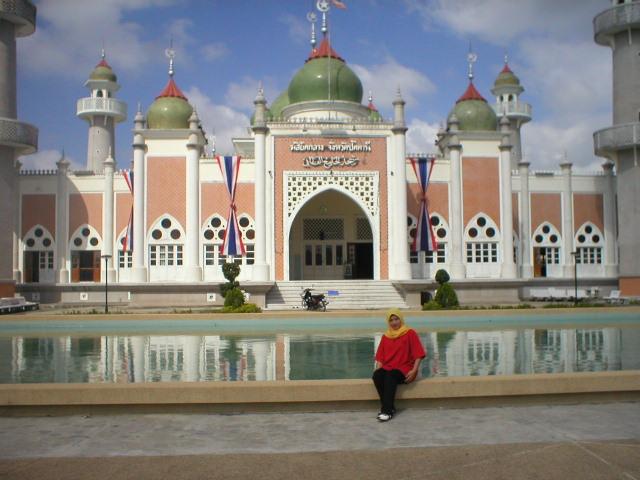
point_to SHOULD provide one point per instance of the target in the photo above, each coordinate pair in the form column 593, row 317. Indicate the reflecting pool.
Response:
column 115, row 358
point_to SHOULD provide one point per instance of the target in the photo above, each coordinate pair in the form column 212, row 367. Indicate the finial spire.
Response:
column 139, row 107
column 323, row 6
column 370, row 96
column 506, row 57
column 102, row 53
column 472, row 58
column 312, row 18
column 170, row 53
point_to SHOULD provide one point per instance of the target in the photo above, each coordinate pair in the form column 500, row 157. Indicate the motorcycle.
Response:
column 313, row 302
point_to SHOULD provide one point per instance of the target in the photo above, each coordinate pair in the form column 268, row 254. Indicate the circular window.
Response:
column 412, row 233
column 166, row 223
column 441, row 233
column 46, row 242
column 595, row 238
column 409, row 221
column 38, row 232
column 491, row 232
column 553, row 238
column 588, row 229
column 93, row 241
column 215, row 222
column 221, row 234
column 85, row 232
column 581, row 238
column 251, row 234
column 77, row 241
column 208, row 234
column 546, row 229
column 156, row 234
column 175, row 234
column 481, row 221
column 31, row 242
column 435, row 220
column 473, row 233
column 122, row 240
column 539, row 238
column 244, row 222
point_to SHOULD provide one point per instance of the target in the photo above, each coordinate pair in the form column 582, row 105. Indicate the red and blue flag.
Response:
column 232, row 243
column 127, row 245
column 424, row 239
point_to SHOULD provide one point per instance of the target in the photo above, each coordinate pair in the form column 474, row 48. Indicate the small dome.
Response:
column 473, row 112
column 103, row 71
column 325, row 76
column 507, row 77
column 170, row 110
column 275, row 110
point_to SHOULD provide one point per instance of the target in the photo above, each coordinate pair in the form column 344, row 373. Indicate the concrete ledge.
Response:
column 313, row 395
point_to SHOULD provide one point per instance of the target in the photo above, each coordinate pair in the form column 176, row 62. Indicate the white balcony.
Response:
column 102, row 106
column 21, row 13
column 618, row 137
column 513, row 109
column 615, row 20
column 21, row 136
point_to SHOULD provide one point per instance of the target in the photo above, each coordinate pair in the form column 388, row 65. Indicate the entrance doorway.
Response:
column 360, row 260
column 31, row 267
column 85, row 266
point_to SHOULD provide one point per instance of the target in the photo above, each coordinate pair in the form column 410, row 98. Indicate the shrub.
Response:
column 230, row 272
column 234, row 298
column 431, row 305
column 446, row 296
column 442, row 276
column 246, row 308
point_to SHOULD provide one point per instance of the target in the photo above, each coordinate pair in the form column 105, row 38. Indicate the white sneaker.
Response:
column 383, row 417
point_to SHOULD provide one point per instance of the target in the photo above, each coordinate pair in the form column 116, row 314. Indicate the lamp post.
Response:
column 106, row 282
column 574, row 254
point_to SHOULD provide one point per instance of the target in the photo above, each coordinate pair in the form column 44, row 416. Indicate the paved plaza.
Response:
column 589, row 441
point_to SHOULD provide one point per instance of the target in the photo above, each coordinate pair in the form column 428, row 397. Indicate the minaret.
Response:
column 17, row 19
column 618, row 28
column 507, row 90
column 102, row 111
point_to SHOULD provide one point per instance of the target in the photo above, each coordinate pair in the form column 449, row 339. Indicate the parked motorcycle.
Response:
column 313, row 302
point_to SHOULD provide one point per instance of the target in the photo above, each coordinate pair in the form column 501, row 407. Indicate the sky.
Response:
column 226, row 48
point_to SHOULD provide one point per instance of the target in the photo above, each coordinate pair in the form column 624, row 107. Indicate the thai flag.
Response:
column 339, row 4
column 424, row 240
column 232, row 242
column 127, row 245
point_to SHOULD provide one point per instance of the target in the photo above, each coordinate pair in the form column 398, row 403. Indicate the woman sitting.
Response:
column 397, row 361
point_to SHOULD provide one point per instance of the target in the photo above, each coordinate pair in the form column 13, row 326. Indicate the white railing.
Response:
column 18, row 134
column 102, row 106
column 618, row 137
column 616, row 19
column 512, row 108
column 21, row 10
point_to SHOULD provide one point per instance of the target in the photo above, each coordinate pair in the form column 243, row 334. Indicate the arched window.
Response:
column 125, row 259
column 85, row 246
column 99, row 94
column 441, row 232
column 166, row 248
column 589, row 243
column 212, row 236
column 38, row 260
column 546, row 242
column 248, row 232
column 481, row 238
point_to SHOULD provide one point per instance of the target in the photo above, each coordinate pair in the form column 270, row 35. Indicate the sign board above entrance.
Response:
column 332, row 153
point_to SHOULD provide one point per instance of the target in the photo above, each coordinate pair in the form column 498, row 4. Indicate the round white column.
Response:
column 62, row 223
column 108, row 237
column 458, row 269
column 506, row 227
column 567, row 220
column 402, row 268
column 193, row 270
column 260, row 267
column 610, row 220
column 139, row 270
column 525, row 221
column 17, row 274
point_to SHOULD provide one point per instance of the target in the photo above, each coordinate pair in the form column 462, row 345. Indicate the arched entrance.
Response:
column 331, row 238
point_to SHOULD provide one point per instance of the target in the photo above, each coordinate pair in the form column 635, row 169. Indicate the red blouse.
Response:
column 400, row 353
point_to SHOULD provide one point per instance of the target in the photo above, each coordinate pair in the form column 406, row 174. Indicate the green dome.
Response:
column 103, row 72
column 475, row 115
column 507, row 78
column 275, row 110
column 310, row 82
column 169, row 113
column 374, row 115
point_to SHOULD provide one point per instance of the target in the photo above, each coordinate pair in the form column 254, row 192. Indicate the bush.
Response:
column 234, row 298
column 442, row 276
column 446, row 296
column 431, row 305
column 246, row 308
column 230, row 272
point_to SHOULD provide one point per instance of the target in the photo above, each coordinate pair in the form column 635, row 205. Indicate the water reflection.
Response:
column 126, row 359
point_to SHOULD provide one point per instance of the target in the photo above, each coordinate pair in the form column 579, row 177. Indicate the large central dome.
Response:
column 325, row 76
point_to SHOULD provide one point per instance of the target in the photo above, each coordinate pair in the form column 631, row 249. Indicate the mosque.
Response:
column 320, row 192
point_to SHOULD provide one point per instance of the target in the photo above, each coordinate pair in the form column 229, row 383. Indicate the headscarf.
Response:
column 391, row 333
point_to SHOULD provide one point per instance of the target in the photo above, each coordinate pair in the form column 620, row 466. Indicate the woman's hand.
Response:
column 411, row 376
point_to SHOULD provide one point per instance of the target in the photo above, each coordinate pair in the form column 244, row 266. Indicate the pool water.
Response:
column 77, row 353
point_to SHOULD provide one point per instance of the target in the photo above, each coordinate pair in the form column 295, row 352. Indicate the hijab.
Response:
column 391, row 333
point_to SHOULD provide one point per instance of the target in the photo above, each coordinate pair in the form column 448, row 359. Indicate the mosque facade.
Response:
column 325, row 191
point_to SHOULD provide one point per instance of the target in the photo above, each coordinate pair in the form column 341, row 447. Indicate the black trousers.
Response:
column 386, row 382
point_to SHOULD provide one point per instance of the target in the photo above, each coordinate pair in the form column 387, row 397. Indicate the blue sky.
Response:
column 225, row 48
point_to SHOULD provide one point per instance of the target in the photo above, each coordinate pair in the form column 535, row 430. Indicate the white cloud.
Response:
column 219, row 121
column 421, row 136
column 241, row 94
column 299, row 29
column 384, row 79
column 46, row 160
column 214, row 51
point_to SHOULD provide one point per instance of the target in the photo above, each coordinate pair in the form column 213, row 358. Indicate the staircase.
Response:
column 351, row 294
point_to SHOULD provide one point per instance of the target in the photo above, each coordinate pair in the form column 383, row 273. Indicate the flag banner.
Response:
column 339, row 4
column 424, row 239
column 127, row 245
column 232, row 243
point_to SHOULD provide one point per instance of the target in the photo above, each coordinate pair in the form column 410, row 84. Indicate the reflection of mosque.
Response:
column 123, row 359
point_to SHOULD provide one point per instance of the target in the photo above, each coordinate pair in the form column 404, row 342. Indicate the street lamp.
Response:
column 106, row 282
column 574, row 254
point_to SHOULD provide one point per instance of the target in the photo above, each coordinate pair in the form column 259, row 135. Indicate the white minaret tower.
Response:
column 507, row 90
column 102, row 111
column 619, row 28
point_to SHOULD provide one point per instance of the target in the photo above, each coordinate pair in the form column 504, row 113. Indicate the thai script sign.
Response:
column 332, row 147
